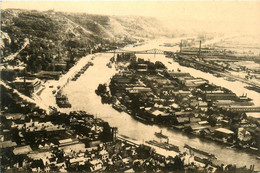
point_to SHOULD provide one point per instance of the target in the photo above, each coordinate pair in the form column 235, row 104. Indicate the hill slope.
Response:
column 58, row 36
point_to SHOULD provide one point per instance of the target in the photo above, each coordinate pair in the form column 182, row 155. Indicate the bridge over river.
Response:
column 150, row 51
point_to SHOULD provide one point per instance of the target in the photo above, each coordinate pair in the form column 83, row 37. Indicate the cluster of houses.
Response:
column 76, row 142
column 27, row 138
column 178, row 100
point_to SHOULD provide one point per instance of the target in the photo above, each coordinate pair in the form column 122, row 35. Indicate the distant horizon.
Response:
column 207, row 16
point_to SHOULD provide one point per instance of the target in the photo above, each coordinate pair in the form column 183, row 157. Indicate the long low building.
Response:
column 26, row 85
column 220, row 96
column 138, row 89
column 223, row 132
column 244, row 108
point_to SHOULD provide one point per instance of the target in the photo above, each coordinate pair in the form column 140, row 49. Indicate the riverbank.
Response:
column 154, row 97
column 84, row 89
column 215, row 69
column 81, row 95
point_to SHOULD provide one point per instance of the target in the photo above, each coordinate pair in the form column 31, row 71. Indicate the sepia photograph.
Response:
column 130, row 86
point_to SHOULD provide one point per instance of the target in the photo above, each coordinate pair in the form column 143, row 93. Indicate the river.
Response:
column 81, row 94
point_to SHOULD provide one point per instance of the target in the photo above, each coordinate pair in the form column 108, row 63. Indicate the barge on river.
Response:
column 164, row 145
column 200, row 151
column 160, row 135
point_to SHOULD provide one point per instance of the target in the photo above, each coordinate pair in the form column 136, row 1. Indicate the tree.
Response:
column 102, row 89
column 106, row 135
column 137, row 166
column 212, row 120
column 178, row 164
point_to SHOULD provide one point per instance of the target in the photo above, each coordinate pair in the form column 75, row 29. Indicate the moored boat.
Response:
column 160, row 135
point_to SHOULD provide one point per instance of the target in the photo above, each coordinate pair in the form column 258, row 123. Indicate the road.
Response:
column 12, row 56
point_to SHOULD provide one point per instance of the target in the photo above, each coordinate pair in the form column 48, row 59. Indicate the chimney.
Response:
column 199, row 49
column 181, row 47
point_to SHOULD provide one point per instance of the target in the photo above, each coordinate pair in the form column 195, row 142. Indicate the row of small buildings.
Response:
column 181, row 101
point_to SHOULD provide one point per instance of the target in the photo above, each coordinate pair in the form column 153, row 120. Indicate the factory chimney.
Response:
column 181, row 47
column 199, row 49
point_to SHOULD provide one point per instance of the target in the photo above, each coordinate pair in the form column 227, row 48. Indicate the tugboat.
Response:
column 244, row 98
column 160, row 135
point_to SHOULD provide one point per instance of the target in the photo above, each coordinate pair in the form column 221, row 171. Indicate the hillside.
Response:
column 57, row 37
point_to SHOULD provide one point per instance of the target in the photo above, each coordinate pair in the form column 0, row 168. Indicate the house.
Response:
column 27, row 86
column 7, row 144
column 244, row 135
column 203, row 123
column 159, row 113
column 142, row 68
column 207, row 87
column 60, row 66
column 182, row 120
column 203, row 105
column 179, row 74
column 78, row 161
column 14, row 116
column 22, row 150
column 182, row 113
column 104, row 155
column 196, row 127
column 192, row 83
column 138, row 89
column 69, row 141
column 49, row 75
column 96, row 165
column 223, row 133
column 183, row 93
column 194, row 119
column 175, row 106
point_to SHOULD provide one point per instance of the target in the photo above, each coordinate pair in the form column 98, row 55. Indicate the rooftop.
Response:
column 7, row 144
column 253, row 114
column 22, row 150
column 224, row 130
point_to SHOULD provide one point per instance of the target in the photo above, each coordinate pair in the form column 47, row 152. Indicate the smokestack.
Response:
column 181, row 47
column 200, row 48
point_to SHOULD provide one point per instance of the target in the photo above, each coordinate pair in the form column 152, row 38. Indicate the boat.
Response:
column 140, row 119
column 200, row 151
column 230, row 79
column 109, row 65
column 244, row 98
column 216, row 75
column 117, row 107
column 164, row 145
column 160, row 135
column 231, row 147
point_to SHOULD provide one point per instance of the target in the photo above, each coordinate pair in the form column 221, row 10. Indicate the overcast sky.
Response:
column 231, row 17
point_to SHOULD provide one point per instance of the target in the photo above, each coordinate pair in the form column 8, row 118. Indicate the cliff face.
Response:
column 57, row 36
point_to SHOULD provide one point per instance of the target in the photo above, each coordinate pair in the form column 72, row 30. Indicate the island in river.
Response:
column 152, row 94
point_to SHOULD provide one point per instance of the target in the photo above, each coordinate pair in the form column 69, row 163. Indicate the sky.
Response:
column 213, row 16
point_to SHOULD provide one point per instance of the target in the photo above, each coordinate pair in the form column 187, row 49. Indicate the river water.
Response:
column 81, row 94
